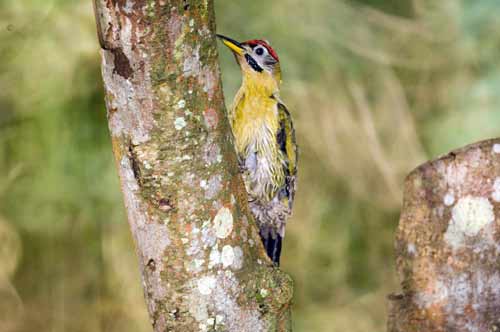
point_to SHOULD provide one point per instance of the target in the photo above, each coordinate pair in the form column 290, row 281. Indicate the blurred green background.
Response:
column 375, row 86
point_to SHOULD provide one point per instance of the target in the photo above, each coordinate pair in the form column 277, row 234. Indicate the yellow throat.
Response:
column 254, row 114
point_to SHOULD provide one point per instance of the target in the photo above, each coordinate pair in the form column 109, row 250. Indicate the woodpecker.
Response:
column 264, row 139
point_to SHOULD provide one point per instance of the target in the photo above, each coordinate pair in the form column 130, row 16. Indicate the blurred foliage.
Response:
column 375, row 86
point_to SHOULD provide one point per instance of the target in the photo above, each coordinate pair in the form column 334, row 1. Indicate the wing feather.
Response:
column 288, row 148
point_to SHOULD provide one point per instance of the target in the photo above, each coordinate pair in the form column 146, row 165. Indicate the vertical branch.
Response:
column 202, row 264
column 447, row 244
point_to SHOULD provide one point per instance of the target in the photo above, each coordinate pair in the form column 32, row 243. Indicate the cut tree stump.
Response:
column 448, row 244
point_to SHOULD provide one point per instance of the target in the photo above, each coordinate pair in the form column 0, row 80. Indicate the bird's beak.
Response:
column 232, row 44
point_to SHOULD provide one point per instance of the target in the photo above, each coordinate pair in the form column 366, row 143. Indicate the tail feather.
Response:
column 272, row 242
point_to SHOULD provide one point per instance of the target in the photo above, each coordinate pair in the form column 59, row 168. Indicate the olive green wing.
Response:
column 288, row 148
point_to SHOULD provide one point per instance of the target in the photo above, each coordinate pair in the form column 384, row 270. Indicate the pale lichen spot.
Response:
column 207, row 79
column 469, row 216
column 179, row 123
column 214, row 258
column 227, row 256
column 238, row 258
column 206, row 285
column 181, row 103
column 411, row 249
column 216, row 205
column 223, row 223
column 435, row 292
column 264, row 292
column 128, row 7
column 211, row 321
column 198, row 262
column 472, row 214
column 194, row 247
column 456, row 175
column 208, row 237
column 196, row 265
column 449, row 199
column 203, row 184
column 214, row 186
column 192, row 63
column 475, row 158
column 211, row 152
column 204, row 31
column 495, row 195
column 496, row 148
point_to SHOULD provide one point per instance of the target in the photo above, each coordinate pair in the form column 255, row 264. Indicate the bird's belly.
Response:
column 259, row 177
column 254, row 127
column 263, row 170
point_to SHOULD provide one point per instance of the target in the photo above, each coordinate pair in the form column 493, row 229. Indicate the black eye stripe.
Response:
column 252, row 63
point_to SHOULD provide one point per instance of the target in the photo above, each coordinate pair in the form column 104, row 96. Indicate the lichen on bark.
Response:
column 202, row 264
column 447, row 244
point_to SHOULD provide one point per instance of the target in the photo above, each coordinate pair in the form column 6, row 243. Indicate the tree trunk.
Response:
column 447, row 244
column 202, row 263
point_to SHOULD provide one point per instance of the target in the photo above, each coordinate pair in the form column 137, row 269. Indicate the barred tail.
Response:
column 272, row 242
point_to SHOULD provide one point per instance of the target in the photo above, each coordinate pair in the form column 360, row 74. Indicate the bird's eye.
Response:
column 259, row 50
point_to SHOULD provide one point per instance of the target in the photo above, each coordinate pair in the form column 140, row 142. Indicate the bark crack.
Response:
column 134, row 162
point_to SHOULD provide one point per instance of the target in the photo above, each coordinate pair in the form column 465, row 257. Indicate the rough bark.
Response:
column 202, row 263
column 447, row 244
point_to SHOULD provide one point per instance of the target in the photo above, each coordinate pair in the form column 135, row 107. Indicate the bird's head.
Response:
column 255, row 57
